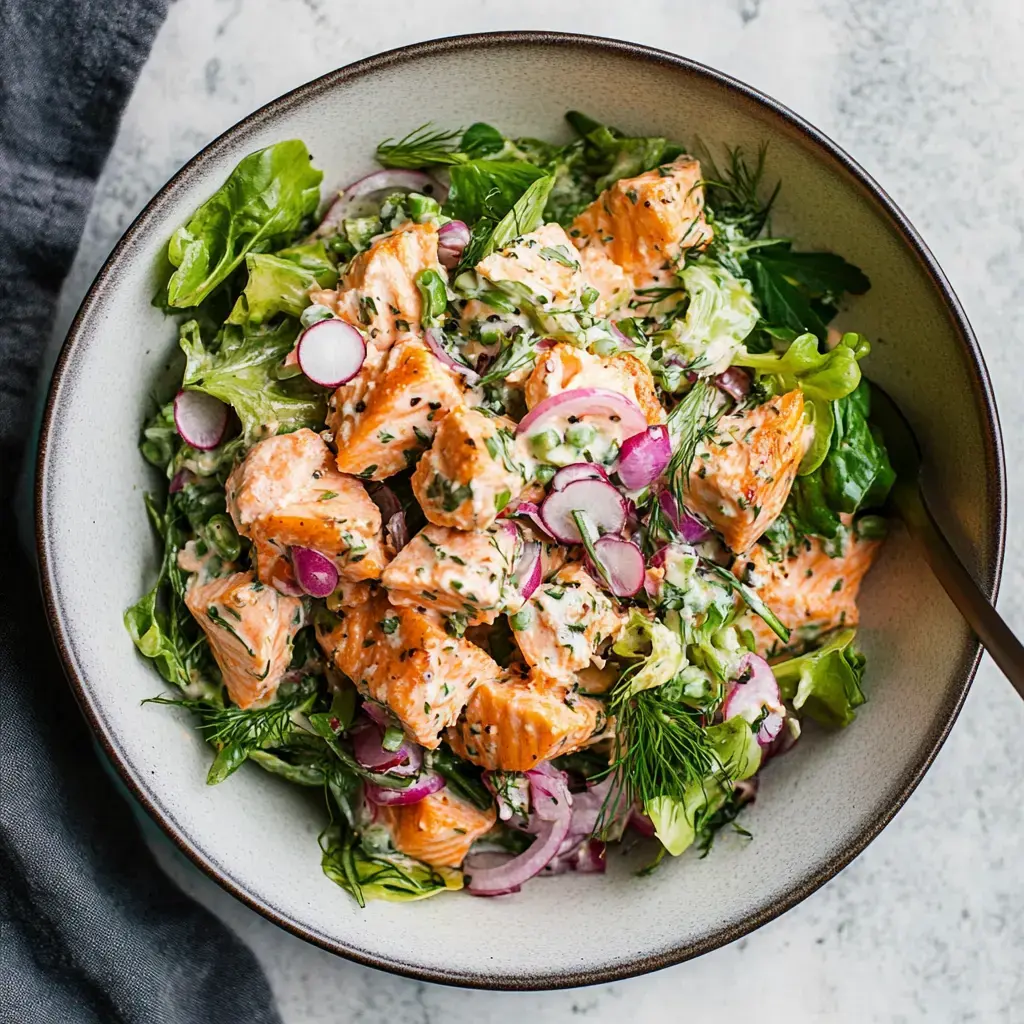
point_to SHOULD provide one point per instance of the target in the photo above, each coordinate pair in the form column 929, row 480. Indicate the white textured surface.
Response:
column 929, row 922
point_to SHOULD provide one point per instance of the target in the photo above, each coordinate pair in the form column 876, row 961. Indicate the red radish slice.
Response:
column 577, row 471
column 427, row 783
column 315, row 573
column 452, row 239
column 623, row 564
column 180, row 480
column 690, row 529
column 586, row 404
column 644, row 456
column 639, row 821
column 527, row 575
column 754, row 692
column 201, row 419
column 434, row 338
column 531, row 511
column 394, row 179
column 331, row 352
column 602, row 503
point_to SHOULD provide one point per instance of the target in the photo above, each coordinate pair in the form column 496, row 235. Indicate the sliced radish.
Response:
column 755, row 695
column 434, row 337
column 644, row 456
column 531, row 511
column 735, row 382
column 315, row 573
column 452, row 239
column 690, row 529
column 599, row 500
column 582, row 405
column 331, row 352
column 201, row 419
column 577, row 471
column 622, row 563
column 527, row 574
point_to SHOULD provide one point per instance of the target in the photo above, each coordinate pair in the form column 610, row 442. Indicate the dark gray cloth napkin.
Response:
column 92, row 931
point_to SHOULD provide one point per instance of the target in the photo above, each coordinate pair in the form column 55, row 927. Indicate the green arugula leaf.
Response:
column 488, row 188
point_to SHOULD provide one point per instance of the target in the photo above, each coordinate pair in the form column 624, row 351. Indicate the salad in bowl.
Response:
column 518, row 499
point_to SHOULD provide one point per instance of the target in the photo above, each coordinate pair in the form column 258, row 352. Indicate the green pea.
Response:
column 220, row 532
column 422, row 208
column 522, row 618
column 544, row 473
column 580, row 435
column 589, row 297
column 544, row 442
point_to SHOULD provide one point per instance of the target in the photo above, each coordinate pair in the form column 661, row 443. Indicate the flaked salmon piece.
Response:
column 439, row 829
column 565, row 367
column 384, row 418
column 613, row 284
column 566, row 624
column 351, row 595
column 543, row 261
column 274, row 473
column 514, row 723
column 809, row 591
column 378, row 293
column 741, row 477
column 280, row 498
column 456, row 571
column 473, row 471
column 645, row 224
column 250, row 628
column 403, row 657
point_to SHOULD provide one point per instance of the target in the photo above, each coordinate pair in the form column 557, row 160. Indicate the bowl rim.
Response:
column 981, row 390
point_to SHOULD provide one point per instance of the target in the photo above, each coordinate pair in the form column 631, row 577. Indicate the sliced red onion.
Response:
column 754, row 692
column 690, row 529
column 549, row 821
column 623, row 564
column 582, row 403
column 452, row 239
column 528, row 571
column 380, row 715
column 434, row 338
column 393, row 179
column 201, row 419
column 639, row 821
column 585, row 856
column 314, row 572
column 644, row 456
column 397, row 530
column 623, row 340
column 511, row 792
column 180, row 480
column 577, row 471
column 367, row 745
column 331, row 352
column 602, row 503
column 385, row 499
column 735, row 382
column 427, row 783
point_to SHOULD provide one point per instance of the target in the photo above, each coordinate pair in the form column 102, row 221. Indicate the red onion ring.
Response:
column 433, row 337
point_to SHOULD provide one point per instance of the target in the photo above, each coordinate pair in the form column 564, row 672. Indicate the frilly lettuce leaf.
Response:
column 262, row 204
column 661, row 649
column 825, row 684
column 238, row 368
column 281, row 283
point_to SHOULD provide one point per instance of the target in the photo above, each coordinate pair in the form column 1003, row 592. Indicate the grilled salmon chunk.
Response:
column 472, row 472
column 514, row 723
column 439, row 829
column 809, row 591
column 384, row 418
column 741, row 477
column 379, row 294
column 404, row 658
column 456, row 571
column 287, row 493
column 566, row 624
column 645, row 224
column 250, row 628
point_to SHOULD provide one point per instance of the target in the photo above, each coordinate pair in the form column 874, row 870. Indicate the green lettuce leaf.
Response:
column 238, row 368
column 660, row 648
column 281, row 283
column 825, row 684
column 820, row 375
column 262, row 204
column 488, row 188
column 525, row 215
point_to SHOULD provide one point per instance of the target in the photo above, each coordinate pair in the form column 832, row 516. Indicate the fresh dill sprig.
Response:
column 753, row 600
column 660, row 748
column 734, row 192
column 235, row 733
column 518, row 350
column 422, row 147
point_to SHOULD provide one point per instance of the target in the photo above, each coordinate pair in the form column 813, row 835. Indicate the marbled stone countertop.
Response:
column 928, row 924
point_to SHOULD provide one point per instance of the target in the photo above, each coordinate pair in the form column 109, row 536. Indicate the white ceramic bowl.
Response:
column 818, row 807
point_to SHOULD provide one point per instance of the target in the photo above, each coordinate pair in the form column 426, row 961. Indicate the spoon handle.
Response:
column 1006, row 650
